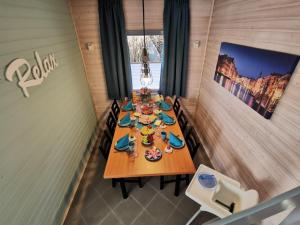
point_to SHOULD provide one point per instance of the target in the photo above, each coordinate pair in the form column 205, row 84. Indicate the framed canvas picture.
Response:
column 258, row 77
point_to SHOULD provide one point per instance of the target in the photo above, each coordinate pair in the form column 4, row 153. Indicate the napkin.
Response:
column 166, row 118
column 123, row 142
column 174, row 140
column 125, row 120
column 165, row 106
column 128, row 107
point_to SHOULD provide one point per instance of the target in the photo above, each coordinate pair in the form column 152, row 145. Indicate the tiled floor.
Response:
column 97, row 203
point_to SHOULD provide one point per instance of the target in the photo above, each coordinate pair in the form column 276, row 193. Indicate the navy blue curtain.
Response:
column 176, row 47
column 115, row 50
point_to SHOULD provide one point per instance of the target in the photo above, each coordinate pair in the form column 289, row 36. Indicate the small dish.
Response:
column 124, row 124
column 153, row 154
column 168, row 149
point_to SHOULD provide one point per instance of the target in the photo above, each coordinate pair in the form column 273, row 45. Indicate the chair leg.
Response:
column 140, row 182
column 187, row 179
column 162, row 182
column 123, row 188
column 113, row 182
column 177, row 185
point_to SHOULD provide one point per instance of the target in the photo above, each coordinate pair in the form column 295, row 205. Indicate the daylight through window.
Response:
column 154, row 44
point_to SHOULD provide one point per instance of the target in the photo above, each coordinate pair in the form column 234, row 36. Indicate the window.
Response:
column 154, row 44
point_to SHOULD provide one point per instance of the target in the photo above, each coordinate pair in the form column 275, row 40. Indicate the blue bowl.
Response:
column 207, row 180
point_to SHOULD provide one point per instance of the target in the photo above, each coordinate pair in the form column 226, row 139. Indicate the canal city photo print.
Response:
column 258, row 77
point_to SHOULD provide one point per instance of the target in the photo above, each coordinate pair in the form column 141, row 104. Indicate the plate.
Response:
column 124, row 125
column 174, row 121
column 178, row 147
column 147, row 144
column 121, row 149
column 207, row 180
column 153, row 154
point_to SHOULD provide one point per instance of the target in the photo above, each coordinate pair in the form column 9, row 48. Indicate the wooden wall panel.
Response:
column 263, row 154
column 86, row 20
column 134, row 14
column 200, row 14
column 42, row 138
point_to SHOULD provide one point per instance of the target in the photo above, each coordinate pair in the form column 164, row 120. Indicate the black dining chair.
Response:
column 104, row 149
column 105, row 144
column 115, row 109
column 182, row 121
column 176, row 106
column 111, row 124
column 193, row 144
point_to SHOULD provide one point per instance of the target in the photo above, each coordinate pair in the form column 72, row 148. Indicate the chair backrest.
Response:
column 111, row 123
column 183, row 121
column 105, row 144
column 192, row 141
column 176, row 106
column 115, row 109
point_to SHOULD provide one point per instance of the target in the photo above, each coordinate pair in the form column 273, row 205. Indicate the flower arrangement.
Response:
column 145, row 94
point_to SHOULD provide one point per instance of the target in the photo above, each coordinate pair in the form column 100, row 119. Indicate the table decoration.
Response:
column 125, row 121
column 128, row 106
column 175, row 141
column 145, row 119
column 153, row 154
column 147, row 139
column 145, row 94
column 123, row 143
column 168, row 120
column 165, row 106
column 168, row 149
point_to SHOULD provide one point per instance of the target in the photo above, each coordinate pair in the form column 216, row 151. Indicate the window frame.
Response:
column 147, row 32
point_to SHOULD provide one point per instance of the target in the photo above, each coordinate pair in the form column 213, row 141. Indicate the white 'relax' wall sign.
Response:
column 23, row 70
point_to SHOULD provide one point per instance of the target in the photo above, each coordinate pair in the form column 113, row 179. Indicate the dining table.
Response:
column 122, row 165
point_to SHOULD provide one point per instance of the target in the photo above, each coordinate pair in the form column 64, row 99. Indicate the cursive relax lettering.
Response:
column 22, row 69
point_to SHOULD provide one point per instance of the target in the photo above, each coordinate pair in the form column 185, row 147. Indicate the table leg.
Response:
column 123, row 188
column 193, row 217
column 187, row 179
column 162, row 182
column 177, row 185
column 140, row 182
column 113, row 182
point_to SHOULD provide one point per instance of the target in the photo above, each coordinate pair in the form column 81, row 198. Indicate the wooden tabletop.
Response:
column 122, row 165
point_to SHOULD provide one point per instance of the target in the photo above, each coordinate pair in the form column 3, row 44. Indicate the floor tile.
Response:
column 176, row 218
column 145, row 219
column 160, row 208
column 128, row 210
column 169, row 190
column 113, row 196
column 202, row 218
column 85, row 196
column 111, row 219
column 95, row 200
column 143, row 195
column 95, row 212
column 187, row 206
column 101, row 185
column 153, row 182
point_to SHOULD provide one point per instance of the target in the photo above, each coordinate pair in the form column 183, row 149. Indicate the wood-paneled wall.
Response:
column 86, row 19
column 42, row 138
column 263, row 154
